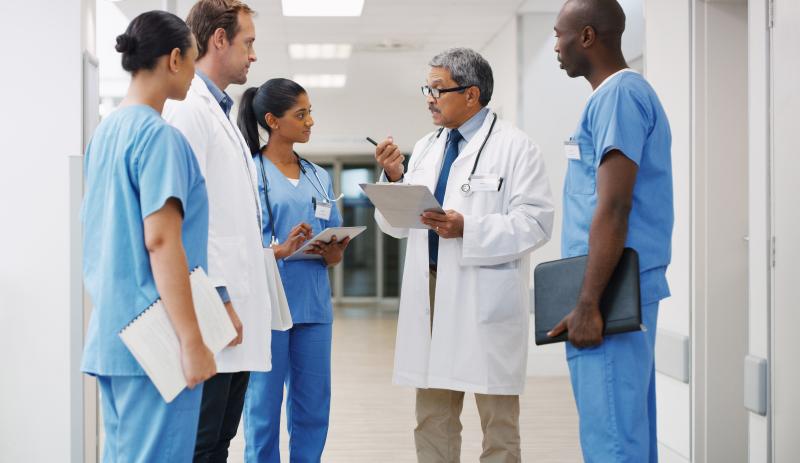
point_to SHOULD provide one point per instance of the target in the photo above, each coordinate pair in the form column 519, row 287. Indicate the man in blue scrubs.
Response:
column 618, row 193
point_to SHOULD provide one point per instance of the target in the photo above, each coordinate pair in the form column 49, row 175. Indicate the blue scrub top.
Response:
column 306, row 282
column 133, row 165
column 625, row 114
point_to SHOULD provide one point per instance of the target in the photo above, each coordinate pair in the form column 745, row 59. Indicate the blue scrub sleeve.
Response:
column 621, row 122
column 164, row 168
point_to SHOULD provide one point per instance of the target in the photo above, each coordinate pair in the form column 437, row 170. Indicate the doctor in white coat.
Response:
column 225, row 34
column 464, row 306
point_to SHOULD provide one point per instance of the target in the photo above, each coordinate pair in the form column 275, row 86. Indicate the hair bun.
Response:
column 126, row 43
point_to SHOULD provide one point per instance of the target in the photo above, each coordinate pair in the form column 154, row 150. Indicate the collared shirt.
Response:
column 470, row 128
column 135, row 163
column 224, row 100
column 625, row 114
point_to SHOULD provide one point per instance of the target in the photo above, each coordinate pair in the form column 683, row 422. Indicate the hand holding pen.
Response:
column 389, row 157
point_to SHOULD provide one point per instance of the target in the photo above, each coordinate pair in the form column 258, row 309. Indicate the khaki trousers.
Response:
column 438, row 432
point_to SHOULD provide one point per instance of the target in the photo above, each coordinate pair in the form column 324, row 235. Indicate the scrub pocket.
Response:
column 581, row 174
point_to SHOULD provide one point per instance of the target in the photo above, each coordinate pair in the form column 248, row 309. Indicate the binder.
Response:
column 154, row 344
column 557, row 285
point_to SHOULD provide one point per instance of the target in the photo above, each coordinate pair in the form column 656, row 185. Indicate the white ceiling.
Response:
column 424, row 27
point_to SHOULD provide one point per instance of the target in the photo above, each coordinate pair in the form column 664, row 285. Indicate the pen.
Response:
column 372, row 141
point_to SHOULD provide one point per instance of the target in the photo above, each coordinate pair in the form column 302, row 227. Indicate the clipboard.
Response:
column 325, row 236
column 557, row 285
column 402, row 204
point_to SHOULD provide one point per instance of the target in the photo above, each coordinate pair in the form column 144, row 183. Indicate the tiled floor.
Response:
column 372, row 420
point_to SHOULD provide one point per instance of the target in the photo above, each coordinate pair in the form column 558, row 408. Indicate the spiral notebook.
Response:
column 154, row 343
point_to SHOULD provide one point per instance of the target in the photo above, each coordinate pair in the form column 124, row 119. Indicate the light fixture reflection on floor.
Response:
column 322, row 7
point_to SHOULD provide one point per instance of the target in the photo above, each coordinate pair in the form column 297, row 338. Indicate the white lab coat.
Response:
column 235, row 256
column 480, row 328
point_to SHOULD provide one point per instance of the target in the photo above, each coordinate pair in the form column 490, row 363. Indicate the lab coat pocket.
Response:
column 499, row 296
column 234, row 265
column 581, row 173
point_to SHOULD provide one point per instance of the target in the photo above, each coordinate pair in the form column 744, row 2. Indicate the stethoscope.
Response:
column 466, row 186
column 320, row 190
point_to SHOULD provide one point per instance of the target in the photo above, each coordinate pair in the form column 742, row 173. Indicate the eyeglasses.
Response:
column 437, row 92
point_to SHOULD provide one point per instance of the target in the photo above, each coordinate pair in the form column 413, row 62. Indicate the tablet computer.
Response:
column 325, row 236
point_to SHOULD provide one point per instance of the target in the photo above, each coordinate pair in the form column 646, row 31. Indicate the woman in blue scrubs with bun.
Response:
column 145, row 223
column 298, row 202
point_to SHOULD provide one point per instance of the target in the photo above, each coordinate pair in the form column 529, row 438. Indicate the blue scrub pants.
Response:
column 301, row 358
column 140, row 427
column 615, row 392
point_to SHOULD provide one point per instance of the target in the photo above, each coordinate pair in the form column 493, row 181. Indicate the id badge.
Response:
column 322, row 210
column 485, row 182
column 572, row 150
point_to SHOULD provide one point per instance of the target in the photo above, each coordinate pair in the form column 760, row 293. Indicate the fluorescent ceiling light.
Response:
column 322, row 7
column 321, row 80
column 320, row 50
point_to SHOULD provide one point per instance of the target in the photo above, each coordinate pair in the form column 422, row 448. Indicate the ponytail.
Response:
column 247, row 121
column 275, row 96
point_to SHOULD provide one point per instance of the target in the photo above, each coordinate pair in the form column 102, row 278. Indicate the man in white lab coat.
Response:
column 464, row 306
column 225, row 34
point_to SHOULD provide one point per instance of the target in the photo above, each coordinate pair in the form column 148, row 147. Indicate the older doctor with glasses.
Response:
column 464, row 306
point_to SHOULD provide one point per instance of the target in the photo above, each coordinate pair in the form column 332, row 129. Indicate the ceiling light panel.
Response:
column 321, row 80
column 320, row 50
column 322, row 7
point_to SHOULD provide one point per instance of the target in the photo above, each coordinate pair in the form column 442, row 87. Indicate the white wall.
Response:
column 42, row 123
column 502, row 54
column 668, row 69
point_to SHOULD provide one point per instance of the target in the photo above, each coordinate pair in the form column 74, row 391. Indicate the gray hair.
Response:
column 467, row 67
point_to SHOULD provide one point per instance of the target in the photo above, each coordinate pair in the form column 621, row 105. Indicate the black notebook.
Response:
column 556, row 288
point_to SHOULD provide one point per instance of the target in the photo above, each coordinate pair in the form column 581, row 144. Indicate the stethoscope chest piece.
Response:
column 465, row 188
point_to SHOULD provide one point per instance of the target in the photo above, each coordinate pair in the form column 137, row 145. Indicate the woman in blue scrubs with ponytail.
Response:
column 145, row 223
column 298, row 202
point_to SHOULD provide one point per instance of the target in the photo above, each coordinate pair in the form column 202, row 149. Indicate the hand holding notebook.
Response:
column 154, row 344
column 557, row 286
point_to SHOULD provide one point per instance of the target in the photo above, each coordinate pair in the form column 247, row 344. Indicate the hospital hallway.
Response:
column 372, row 421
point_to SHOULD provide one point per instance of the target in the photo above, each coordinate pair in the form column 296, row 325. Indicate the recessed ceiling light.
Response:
column 320, row 50
column 322, row 7
column 321, row 80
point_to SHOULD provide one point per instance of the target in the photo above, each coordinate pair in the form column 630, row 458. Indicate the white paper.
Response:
column 154, row 344
column 281, row 316
column 401, row 204
column 325, row 236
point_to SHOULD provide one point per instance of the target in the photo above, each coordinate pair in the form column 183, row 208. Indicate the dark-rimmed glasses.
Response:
column 437, row 92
